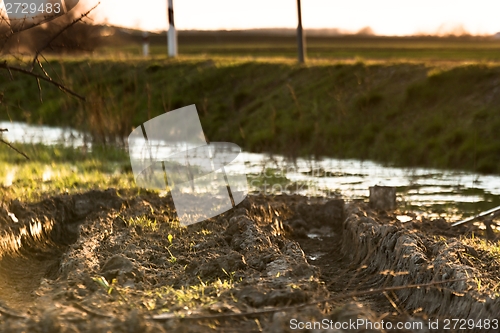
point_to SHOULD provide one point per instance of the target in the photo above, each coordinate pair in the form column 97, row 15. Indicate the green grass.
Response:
column 489, row 258
column 255, row 44
column 435, row 114
column 144, row 222
column 169, row 299
column 54, row 170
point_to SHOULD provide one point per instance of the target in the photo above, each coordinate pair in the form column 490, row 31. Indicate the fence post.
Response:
column 145, row 43
column 172, row 34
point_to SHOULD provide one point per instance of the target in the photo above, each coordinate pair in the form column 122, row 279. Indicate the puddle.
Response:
column 24, row 133
column 315, row 236
column 404, row 218
column 315, row 256
column 453, row 193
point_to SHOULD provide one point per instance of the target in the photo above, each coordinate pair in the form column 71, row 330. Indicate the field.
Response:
column 83, row 249
column 117, row 259
column 437, row 107
column 282, row 43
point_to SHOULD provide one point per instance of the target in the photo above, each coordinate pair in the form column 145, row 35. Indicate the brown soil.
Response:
column 283, row 258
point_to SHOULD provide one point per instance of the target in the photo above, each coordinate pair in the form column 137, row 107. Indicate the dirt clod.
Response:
column 116, row 261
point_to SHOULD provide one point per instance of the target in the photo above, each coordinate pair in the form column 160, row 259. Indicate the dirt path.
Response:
column 369, row 250
column 270, row 254
column 19, row 278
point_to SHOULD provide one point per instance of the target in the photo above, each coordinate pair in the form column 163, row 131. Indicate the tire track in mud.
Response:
column 20, row 276
column 364, row 249
column 349, row 247
column 27, row 253
column 32, row 248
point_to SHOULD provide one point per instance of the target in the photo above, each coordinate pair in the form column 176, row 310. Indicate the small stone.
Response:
column 117, row 265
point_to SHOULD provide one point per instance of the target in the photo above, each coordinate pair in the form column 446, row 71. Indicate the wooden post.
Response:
column 172, row 34
column 145, row 43
column 300, row 36
column 383, row 197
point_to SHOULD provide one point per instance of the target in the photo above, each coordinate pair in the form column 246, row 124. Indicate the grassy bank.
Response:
column 442, row 115
column 53, row 170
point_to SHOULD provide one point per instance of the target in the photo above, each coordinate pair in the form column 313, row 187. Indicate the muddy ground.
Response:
column 118, row 261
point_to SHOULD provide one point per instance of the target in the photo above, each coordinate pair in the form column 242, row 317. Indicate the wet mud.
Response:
column 118, row 261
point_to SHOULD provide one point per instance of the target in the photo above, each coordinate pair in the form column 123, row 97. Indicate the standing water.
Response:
column 24, row 133
column 431, row 191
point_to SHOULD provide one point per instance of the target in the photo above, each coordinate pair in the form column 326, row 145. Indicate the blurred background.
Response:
column 367, row 29
column 391, row 93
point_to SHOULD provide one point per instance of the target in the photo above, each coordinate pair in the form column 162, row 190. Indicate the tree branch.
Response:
column 35, row 58
column 47, row 79
column 168, row 316
column 14, row 148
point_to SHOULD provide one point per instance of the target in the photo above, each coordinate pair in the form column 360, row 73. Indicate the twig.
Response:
column 39, row 90
column 47, row 79
column 35, row 58
column 10, row 72
column 295, row 307
column 14, row 148
column 10, row 313
column 41, row 66
column 90, row 311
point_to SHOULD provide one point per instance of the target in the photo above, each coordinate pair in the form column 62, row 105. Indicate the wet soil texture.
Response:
column 118, row 261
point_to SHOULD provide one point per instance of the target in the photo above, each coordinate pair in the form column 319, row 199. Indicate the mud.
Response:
column 253, row 269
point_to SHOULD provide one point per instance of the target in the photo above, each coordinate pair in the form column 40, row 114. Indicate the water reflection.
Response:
column 24, row 133
column 440, row 191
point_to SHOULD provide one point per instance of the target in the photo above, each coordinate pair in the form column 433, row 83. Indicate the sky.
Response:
column 385, row 17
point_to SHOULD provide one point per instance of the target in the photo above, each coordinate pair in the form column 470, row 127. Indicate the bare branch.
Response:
column 47, row 79
column 299, row 306
column 10, row 73
column 10, row 313
column 90, row 311
column 35, row 58
column 14, row 148
column 39, row 90
column 169, row 316
column 41, row 67
column 22, row 24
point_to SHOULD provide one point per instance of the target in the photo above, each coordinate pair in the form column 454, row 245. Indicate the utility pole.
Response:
column 300, row 36
column 171, row 34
